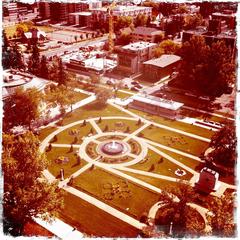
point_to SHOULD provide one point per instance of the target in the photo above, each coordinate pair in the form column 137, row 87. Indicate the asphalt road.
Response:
column 72, row 47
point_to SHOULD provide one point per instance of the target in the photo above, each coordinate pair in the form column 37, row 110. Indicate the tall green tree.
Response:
column 102, row 95
column 34, row 61
column 44, row 71
column 193, row 21
column 22, row 107
column 222, row 219
column 16, row 58
column 224, row 144
column 177, row 211
column 26, row 193
column 140, row 20
column 6, row 51
column 59, row 95
column 62, row 76
column 208, row 69
column 166, row 47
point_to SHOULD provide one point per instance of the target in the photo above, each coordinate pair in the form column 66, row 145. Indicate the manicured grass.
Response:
column 139, row 199
column 11, row 30
column 161, row 166
column 82, row 131
column 78, row 96
column 160, row 183
column 69, row 168
column 175, row 124
column 94, row 221
column 123, row 95
column 194, row 164
column 208, row 117
column 45, row 132
column 113, row 125
column 175, row 140
column 92, row 110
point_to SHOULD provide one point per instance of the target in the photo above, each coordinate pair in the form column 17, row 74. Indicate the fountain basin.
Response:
column 112, row 148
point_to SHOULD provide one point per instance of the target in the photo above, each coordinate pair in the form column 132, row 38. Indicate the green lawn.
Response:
column 175, row 124
column 11, row 30
column 94, row 221
column 92, row 110
column 69, row 168
column 139, row 199
column 194, row 164
column 45, row 132
column 159, row 183
column 175, row 140
column 123, row 95
column 164, row 167
column 78, row 96
column 81, row 131
column 113, row 125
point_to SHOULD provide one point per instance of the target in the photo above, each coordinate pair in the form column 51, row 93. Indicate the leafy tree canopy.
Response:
column 26, row 193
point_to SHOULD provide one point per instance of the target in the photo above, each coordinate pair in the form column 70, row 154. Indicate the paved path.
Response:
column 148, row 174
column 60, row 229
column 105, row 207
column 161, row 125
column 194, row 121
column 188, row 155
column 130, row 135
column 172, row 160
column 95, row 126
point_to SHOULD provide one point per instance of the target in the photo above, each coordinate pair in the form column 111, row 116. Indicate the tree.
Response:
column 25, row 195
column 61, row 73
column 22, row 107
column 123, row 22
column 140, row 20
column 34, row 61
column 175, row 200
column 224, row 144
column 58, row 95
column 23, row 27
column 182, row 8
column 44, row 72
column 95, row 79
column 124, row 38
column 102, row 95
column 210, row 70
column 57, row 72
column 222, row 218
column 193, row 21
column 6, row 51
column 16, row 59
column 166, row 47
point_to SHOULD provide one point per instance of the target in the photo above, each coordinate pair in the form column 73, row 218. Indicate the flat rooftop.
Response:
column 138, row 46
column 156, row 101
column 146, row 31
column 163, row 61
column 81, row 14
column 122, row 8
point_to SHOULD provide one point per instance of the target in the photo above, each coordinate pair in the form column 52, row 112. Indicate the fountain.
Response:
column 112, row 148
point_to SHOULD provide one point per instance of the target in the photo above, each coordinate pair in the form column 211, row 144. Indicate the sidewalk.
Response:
column 60, row 229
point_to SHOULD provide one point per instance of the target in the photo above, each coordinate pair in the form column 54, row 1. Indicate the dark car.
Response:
column 135, row 83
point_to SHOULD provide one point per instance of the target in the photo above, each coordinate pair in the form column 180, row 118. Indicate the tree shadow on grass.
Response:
column 94, row 106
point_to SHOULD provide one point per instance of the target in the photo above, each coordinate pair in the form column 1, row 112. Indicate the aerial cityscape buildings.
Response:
column 119, row 119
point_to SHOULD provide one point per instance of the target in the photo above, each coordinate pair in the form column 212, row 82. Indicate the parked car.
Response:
column 134, row 89
column 110, row 82
column 135, row 83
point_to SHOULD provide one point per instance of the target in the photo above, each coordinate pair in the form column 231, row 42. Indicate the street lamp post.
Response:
column 170, row 229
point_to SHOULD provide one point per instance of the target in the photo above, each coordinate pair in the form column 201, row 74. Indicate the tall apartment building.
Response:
column 44, row 10
column 59, row 11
